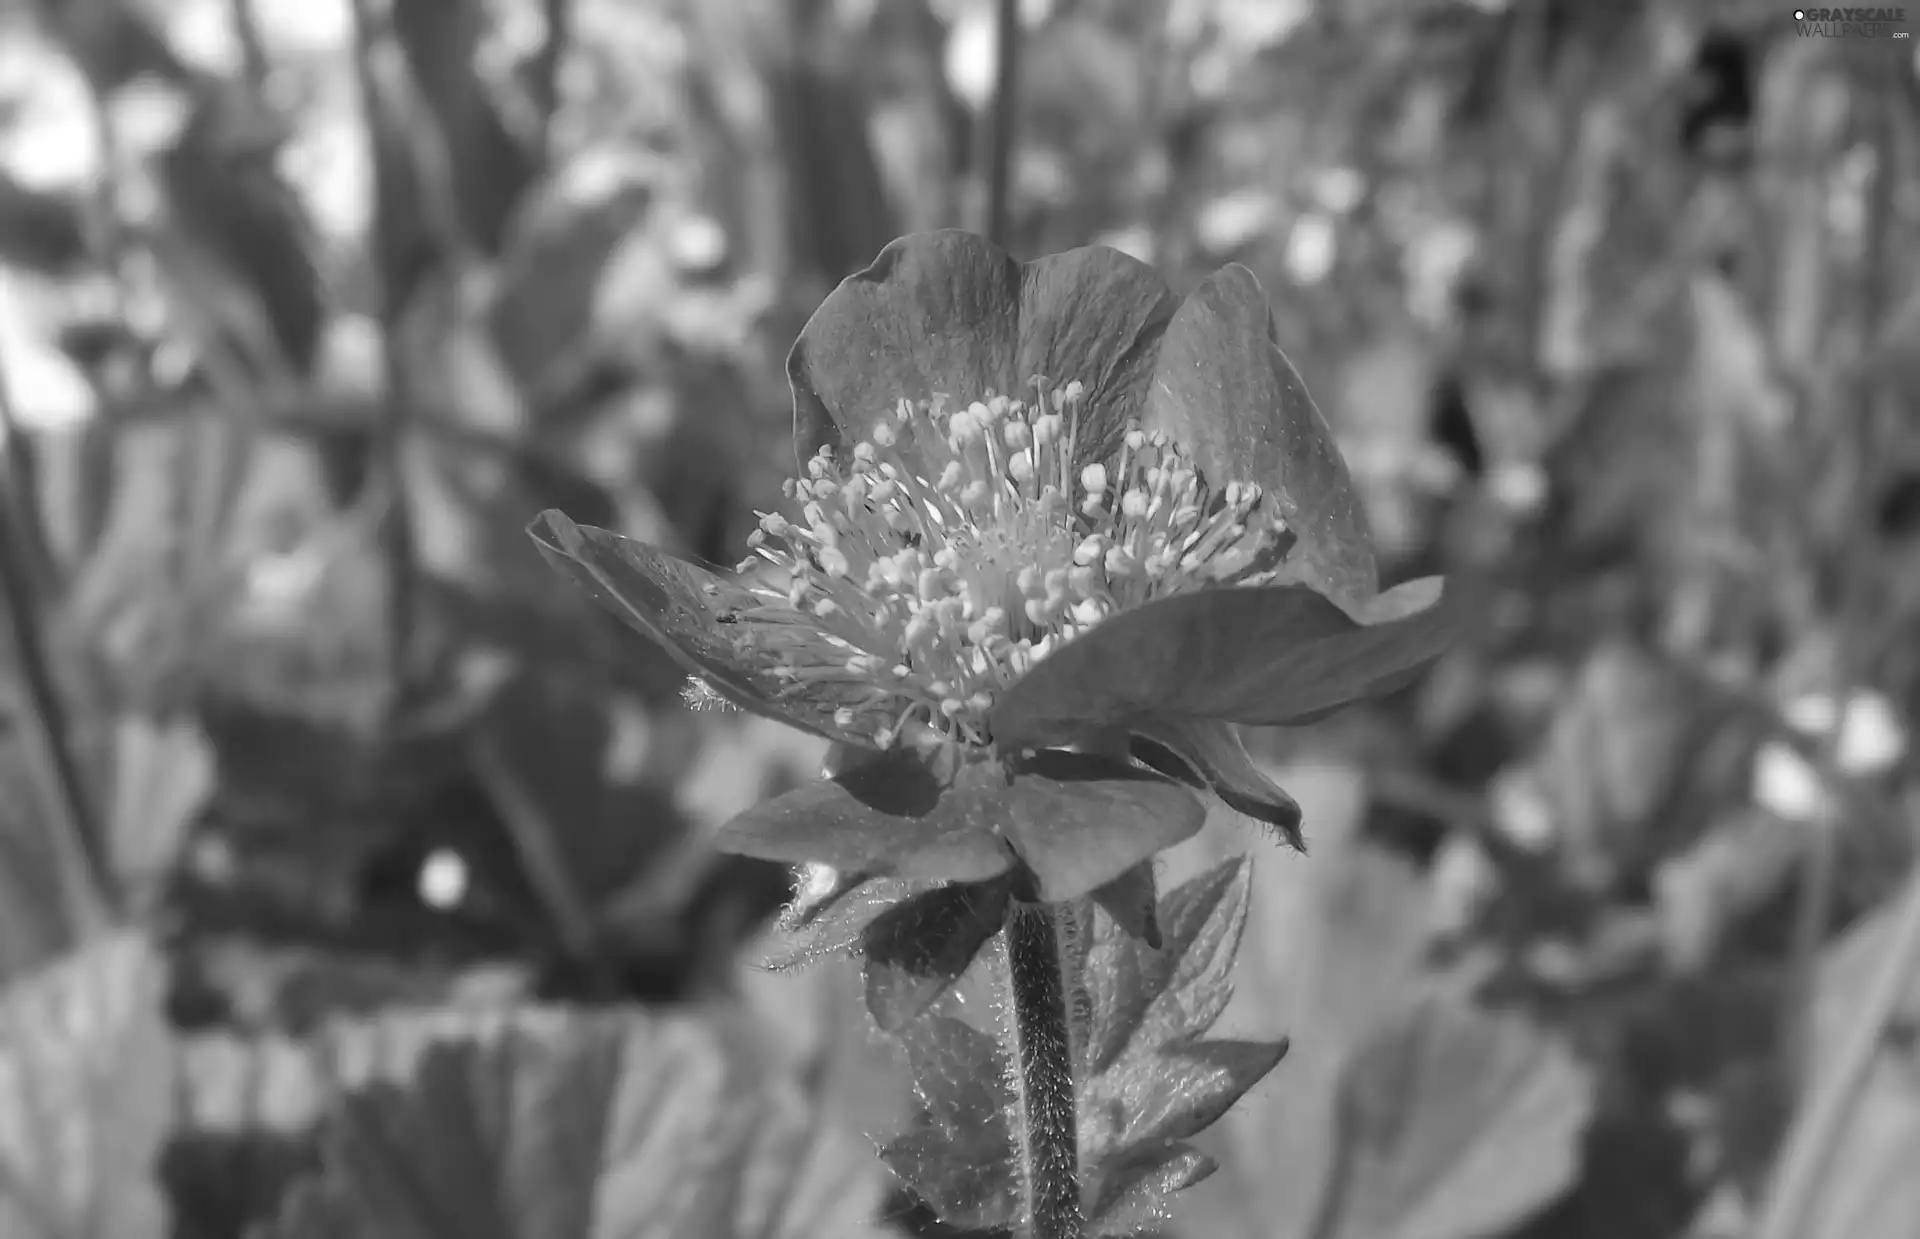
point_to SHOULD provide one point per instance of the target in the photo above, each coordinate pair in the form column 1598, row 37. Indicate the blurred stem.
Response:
column 536, row 840
column 397, row 543
column 1796, row 1181
column 1003, row 120
column 1043, row 1043
column 546, row 69
column 253, row 50
column 77, row 838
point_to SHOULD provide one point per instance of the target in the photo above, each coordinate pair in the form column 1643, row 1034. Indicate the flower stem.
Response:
column 1043, row 1042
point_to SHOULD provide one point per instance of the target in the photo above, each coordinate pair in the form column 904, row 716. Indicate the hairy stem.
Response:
column 1043, row 1042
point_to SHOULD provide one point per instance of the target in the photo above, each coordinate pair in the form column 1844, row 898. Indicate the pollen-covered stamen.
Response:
column 932, row 565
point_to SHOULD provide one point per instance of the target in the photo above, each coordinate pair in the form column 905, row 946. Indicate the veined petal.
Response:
column 937, row 312
column 678, row 605
column 951, row 313
column 1213, row 751
column 1271, row 655
column 1097, row 316
column 1223, row 388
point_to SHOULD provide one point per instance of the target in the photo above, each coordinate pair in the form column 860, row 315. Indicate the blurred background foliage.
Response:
column 305, row 310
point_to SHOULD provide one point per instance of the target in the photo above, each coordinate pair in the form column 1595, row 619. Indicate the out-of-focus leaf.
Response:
column 237, row 239
column 1272, row 655
column 39, row 231
column 163, row 774
column 544, row 315
column 87, row 1083
column 1870, row 1191
column 587, row 1127
column 1330, row 948
column 959, row 1155
column 918, row 948
column 488, row 166
column 1450, row 1124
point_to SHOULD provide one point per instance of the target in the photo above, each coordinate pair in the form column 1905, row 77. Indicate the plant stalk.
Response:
column 1043, row 1043
column 1001, row 122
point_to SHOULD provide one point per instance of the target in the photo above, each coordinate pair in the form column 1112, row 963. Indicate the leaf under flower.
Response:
column 1272, row 655
column 916, row 950
column 1151, row 1078
column 958, row 1156
column 1081, row 820
column 892, row 816
column 1075, row 821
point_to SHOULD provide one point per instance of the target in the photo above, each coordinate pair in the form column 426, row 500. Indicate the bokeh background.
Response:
column 306, row 309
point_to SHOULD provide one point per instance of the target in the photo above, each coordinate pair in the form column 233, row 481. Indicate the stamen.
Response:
column 948, row 552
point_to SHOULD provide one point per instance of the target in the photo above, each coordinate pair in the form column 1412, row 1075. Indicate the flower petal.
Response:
column 1223, row 388
column 936, row 312
column 1272, row 655
column 677, row 605
column 1096, row 315
column 918, row 948
column 1081, row 820
column 1215, row 754
column 891, row 816
column 949, row 312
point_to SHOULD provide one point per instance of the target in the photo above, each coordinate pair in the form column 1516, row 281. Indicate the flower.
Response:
column 1039, row 507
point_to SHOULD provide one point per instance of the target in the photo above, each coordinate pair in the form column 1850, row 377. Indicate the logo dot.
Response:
column 1799, row 15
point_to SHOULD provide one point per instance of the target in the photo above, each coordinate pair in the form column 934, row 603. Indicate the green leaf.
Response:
column 918, row 948
column 807, row 934
column 1269, row 655
column 889, row 817
column 87, row 1086
column 570, row 1127
column 1080, row 820
column 1870, row 1191
column 1186, row 1091
column 959, row 1155
column 1140, row 1185
column 1440, row 1071
column 1133, row 901
column 1179, row 990
column 1150, row 1080
column 1224, row 390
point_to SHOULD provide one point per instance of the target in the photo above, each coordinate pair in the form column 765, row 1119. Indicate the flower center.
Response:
column 918, row 583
